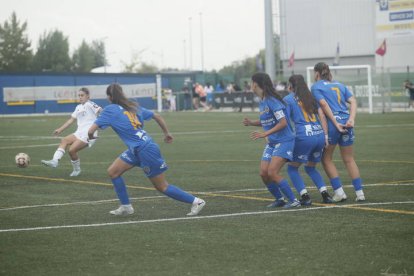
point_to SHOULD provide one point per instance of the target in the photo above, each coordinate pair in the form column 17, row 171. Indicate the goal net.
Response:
column 370, row 88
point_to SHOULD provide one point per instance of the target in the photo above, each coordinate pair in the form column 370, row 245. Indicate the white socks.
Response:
column 58, row 154
column 76, row 165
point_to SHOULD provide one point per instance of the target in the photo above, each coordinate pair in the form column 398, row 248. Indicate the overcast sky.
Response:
column 156, row 30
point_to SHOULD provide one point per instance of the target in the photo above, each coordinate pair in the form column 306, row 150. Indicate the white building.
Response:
column 314, row 30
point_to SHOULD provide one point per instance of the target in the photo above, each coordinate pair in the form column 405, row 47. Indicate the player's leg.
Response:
column 301, row 151
column 115, row 171
column 347, row 154
column 298, row 183
column 332, row 172
column 54, row 162
column 154, row 167
column 274, row 169
column 174, row 192
column 76, row 146
column 317, row 179
column 271, row 186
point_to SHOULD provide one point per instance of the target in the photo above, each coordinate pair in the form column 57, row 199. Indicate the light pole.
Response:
column 185, row 54
column 201, row 41
column 190, row 43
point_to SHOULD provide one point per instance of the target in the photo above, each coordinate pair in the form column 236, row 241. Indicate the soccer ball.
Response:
column 22, row 160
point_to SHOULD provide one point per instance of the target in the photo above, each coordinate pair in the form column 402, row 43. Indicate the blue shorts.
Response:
column 343, row 139
column 284, row 150
column 309, row 148
column 148, row 158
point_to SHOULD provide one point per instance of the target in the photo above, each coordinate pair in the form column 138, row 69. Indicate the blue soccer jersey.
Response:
column 144, row 115
column 335, row 94
column 271, row 112
column 305, row 124
column 126, row 124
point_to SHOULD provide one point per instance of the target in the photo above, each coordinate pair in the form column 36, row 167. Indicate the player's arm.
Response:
column 91, row 131
column 279, row 126
column 248, row 122
column 168, row 138
column 324, row 123
column 352, row 112
column 328, row 112
column 64, row 126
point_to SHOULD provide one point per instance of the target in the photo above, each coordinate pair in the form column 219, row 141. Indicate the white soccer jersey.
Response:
column 86, row 114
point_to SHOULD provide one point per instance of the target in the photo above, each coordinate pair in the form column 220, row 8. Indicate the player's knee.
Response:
column 113, row 173
column 264, row 174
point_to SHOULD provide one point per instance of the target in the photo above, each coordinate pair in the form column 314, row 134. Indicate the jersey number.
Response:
column 133, row 119
column 338, row 93
column 308, row 118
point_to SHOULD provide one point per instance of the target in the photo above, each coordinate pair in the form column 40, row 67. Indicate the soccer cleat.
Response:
column 75, row 173
column 123, row 210
column 197, row 207
column 50, row 163
column 339, row 198
column 326, row 198
column 292, row 204
column 277, row 203
column 360, row 198
column 305, row 200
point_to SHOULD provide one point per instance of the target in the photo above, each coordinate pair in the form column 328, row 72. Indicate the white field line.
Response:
column 29, row 146
column 193, row 218
column 76, row 203
column 163, row 197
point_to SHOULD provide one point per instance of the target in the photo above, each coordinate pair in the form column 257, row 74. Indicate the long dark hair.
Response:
column 323, row 69
column 302, row 94
column 114, row 91
column 265, row 83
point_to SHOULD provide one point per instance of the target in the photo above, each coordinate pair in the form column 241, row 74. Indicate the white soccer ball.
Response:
column 22, row 160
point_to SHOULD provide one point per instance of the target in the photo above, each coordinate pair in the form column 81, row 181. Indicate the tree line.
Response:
column 52, row 54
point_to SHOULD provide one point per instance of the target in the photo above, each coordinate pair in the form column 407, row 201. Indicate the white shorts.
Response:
column 82, row 134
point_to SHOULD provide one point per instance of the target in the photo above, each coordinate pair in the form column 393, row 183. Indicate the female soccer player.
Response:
column 279, row 136
column 333, row 98
column 310, row 129
column 126, row 120
column 85, row 113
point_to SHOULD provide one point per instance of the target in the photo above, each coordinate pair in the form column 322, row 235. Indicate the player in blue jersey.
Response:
column 126, row 119
column 310, row 129
column 333, row 98
column 280, row 140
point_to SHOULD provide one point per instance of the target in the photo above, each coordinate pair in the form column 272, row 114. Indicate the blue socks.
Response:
column 296, row 178
column 315, row 176
column 178, row 194
column 336, row 183
column 121, row 190
column 357, row 182
column 286, row 190
column 274, row 190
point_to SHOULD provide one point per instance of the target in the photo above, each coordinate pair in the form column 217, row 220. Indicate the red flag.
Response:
column 291, row 59
column 382, row 49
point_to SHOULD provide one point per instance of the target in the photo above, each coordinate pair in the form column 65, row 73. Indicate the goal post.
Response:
column 350, row 75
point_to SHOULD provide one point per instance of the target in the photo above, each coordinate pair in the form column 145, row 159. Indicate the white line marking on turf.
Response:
column 193, row 218
column 28, row 146
column 162, row 197
column 76, row 203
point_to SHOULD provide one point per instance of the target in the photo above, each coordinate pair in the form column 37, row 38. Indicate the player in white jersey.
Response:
column 85, row 114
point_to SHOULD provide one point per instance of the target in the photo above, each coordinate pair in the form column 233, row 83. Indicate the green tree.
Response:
column 246, row 68
column 138, row 66
column 87, row 57
column 83, row 58
column 52, row 53
column 15, row 52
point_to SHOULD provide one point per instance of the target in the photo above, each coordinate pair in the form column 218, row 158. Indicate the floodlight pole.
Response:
column 270, row 53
